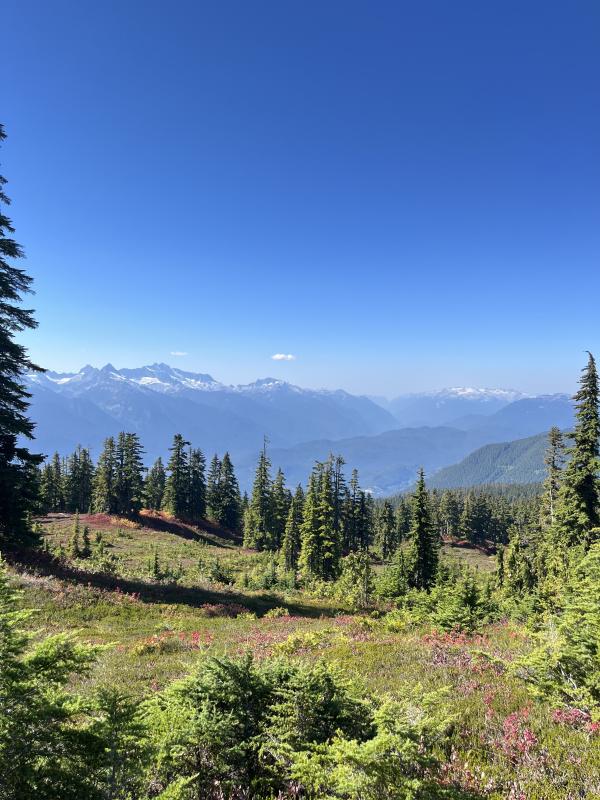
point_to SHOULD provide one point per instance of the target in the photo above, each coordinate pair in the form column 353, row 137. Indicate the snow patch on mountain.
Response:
column 473, row 393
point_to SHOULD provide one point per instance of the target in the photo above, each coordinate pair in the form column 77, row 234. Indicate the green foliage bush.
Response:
column 565, row 665
column 238, row 726
column 43, row 747
column 459, row 600
column 395, row 762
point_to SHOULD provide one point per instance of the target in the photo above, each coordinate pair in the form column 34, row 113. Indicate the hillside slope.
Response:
column 521, row 461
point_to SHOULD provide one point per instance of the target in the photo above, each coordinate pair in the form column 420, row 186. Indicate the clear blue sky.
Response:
column 404, row 195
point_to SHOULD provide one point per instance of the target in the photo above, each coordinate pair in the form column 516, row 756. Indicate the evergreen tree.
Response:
column 518, row 568
column 104, row 497
column 230, row 516
column 258, row 520
column 394, row 581
column 554, row 461
column 386, row 530
column 403, row 519
column 86, row 479
column 449, row 517
column 328, row 537
column 154, row 486
column 197, row 496
column 366, row 520
column 340, row 493
column 352, row 521
column 129, row 466
column 16, row 488
column 578, row 511
column 46, row 750
column 281, row 500
column 310, row 558
column 175, row 501
column 133, row 474
column 213, row 489
column 358, row 518
column 468, row 527
column 86, row 545
column 425, row 544
column 74, row 543
column 290, row 546
column 52, row 496
column 321, row 544
column 77, row 481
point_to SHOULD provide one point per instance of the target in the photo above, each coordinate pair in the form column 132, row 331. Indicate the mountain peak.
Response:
column 267, row 382
column 478, row 393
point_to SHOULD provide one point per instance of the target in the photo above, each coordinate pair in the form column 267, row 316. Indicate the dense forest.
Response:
column 296, row 640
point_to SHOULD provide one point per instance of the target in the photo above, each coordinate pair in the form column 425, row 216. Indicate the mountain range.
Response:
column 385, row 440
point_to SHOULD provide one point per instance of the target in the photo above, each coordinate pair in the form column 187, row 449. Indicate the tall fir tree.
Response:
column 578, row 512
column 16, row 462
column 52, row 490
column 352, row 524
column 281, row 503
column 387, row 541
column 196, row 510
column 154, row 485
column 258, row 520
column 129, row 467
column 78, row 481
column 340, row 493
column 213, row 489
column 104, row 496
column 554, row 460
column 329, row 541
column 175, row 500
column 403, row 519
column 468, row 518
column 133, row 473
column 321, row 544
column 449, row 516
column 310, row 557
column 424, row 540
column 290, row 547
column 230, row 496
column 358, row 517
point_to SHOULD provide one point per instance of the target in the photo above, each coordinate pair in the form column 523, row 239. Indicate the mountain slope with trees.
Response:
column 517, row 462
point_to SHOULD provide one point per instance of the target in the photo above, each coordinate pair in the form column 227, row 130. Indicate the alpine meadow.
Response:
column 221, row 586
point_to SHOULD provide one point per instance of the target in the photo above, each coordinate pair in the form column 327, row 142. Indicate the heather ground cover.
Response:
column 501, row 742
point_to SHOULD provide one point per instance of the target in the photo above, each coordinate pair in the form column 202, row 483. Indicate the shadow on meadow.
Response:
column 208, row 532
column 43, row 563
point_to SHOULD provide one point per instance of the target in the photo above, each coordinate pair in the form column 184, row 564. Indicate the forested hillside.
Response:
column 510, row 462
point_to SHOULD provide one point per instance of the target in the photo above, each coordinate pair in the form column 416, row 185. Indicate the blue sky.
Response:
column 402, row 195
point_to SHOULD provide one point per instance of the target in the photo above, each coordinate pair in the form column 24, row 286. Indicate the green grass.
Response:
column 503, row 745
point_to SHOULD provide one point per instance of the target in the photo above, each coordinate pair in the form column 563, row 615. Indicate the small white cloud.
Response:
column 283, row 357
column 178, row 353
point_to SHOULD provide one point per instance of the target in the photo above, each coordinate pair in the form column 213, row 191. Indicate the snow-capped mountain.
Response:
column 165, row 379
column 444, row 406
column 159, row 377
column 473, row 393
column 157, row 401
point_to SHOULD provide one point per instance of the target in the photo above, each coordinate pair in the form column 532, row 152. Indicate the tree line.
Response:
column 120, row 484
column 541, row 554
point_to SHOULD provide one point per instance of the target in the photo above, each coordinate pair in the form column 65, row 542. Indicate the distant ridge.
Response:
column 521, row 461
column 158, row 400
